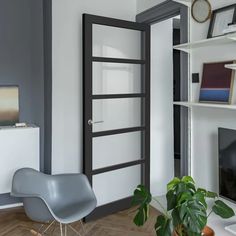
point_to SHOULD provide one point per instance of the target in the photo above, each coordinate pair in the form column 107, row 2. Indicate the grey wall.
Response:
column 22, row 58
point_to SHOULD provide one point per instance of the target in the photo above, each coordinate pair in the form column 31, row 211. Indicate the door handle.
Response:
column 90, row 122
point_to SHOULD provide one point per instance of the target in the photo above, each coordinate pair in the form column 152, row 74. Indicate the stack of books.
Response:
column 230, row 29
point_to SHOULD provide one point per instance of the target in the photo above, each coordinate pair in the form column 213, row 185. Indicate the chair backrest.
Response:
column 30, row 181
column 56, row 190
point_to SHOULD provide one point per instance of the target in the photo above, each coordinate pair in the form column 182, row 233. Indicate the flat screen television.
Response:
column 227, row 164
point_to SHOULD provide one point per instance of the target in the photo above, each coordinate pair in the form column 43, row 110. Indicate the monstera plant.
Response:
column 187, row 210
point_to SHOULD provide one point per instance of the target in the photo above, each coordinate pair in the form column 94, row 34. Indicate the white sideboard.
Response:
column 19, row 148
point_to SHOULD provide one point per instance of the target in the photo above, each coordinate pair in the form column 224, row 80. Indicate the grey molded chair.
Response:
column 63, row 198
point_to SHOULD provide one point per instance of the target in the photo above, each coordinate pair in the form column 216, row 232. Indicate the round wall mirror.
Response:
column 201, row 10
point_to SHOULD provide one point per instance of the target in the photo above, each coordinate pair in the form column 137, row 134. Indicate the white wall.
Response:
column 205, row 122
column 162, row 146
column 143, row 5
column 67, row 87
column 67, row 75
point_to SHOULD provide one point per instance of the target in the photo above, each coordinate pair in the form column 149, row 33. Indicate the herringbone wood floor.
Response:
column 15, row 223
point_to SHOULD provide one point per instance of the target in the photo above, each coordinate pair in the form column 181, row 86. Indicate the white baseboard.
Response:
column 11, row 206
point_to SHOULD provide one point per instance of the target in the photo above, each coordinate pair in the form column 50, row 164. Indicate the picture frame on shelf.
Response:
column 220, row 20
column 217, row 83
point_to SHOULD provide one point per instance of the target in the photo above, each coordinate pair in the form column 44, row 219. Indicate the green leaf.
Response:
column 189, row 233
column 176, row 218
column 202, row 190
column 222, row 210
column 181, row 188
column 171, row 200
column 142, row 197
column 173, row 183
column 142, row 215
column 207, row 194
column 200, row 197
column 193, row 215
column 211, row 195
column 188, row 179
column 162, row 226
column 191, row 187
column 185, row 196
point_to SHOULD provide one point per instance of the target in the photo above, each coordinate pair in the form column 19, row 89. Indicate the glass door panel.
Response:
column 116, row 78
column 116, row 149
column 110, row 114
column 115, row 185
column 114, row 42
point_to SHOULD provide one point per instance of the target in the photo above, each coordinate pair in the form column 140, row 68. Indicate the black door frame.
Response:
column 88, row 59
column 158, row 13
column 47, row 37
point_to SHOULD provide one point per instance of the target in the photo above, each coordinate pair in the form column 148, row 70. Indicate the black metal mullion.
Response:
column 147, row 105
column 87, row 95
column 118, row 166
column 99, row 20
column 118, row 60
column 117, row 131
column 117, row 96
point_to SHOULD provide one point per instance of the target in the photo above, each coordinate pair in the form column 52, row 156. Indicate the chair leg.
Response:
column 49, row 227
column 65, row 230
column 53, row 230
column 83, row 227
column 74, row 230
column 61, row 229
column 38, row 232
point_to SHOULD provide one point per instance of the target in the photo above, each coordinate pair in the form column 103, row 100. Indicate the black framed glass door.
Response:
column 116, row 72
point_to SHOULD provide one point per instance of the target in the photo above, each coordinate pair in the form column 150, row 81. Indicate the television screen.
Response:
column 227, row 163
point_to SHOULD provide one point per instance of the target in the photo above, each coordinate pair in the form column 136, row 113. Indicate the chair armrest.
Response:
column 24, row 195
column 35, row 197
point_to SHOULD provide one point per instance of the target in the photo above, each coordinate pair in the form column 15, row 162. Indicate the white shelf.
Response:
column 231, row 66
column 187, row 47
column 185, row 2
column 206, row 105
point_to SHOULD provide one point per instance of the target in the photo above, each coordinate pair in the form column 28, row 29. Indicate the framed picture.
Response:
column 217, row 83
column 9, row 105
column 220, row 20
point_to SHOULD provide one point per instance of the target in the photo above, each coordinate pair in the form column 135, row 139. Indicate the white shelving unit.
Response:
column 196, row 126
column 231, row 66
column 188, row 47
column 205, row 105
column 185, row 2
column 225, row 39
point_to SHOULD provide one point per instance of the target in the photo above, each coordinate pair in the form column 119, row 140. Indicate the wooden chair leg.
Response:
column 37, row 233
column 85, row 233
column 32, row 231
column 61, row 229
column 65, row 230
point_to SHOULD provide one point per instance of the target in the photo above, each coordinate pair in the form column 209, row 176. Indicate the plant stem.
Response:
column 165, row 211
column 209, row 213
column 179, row 230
